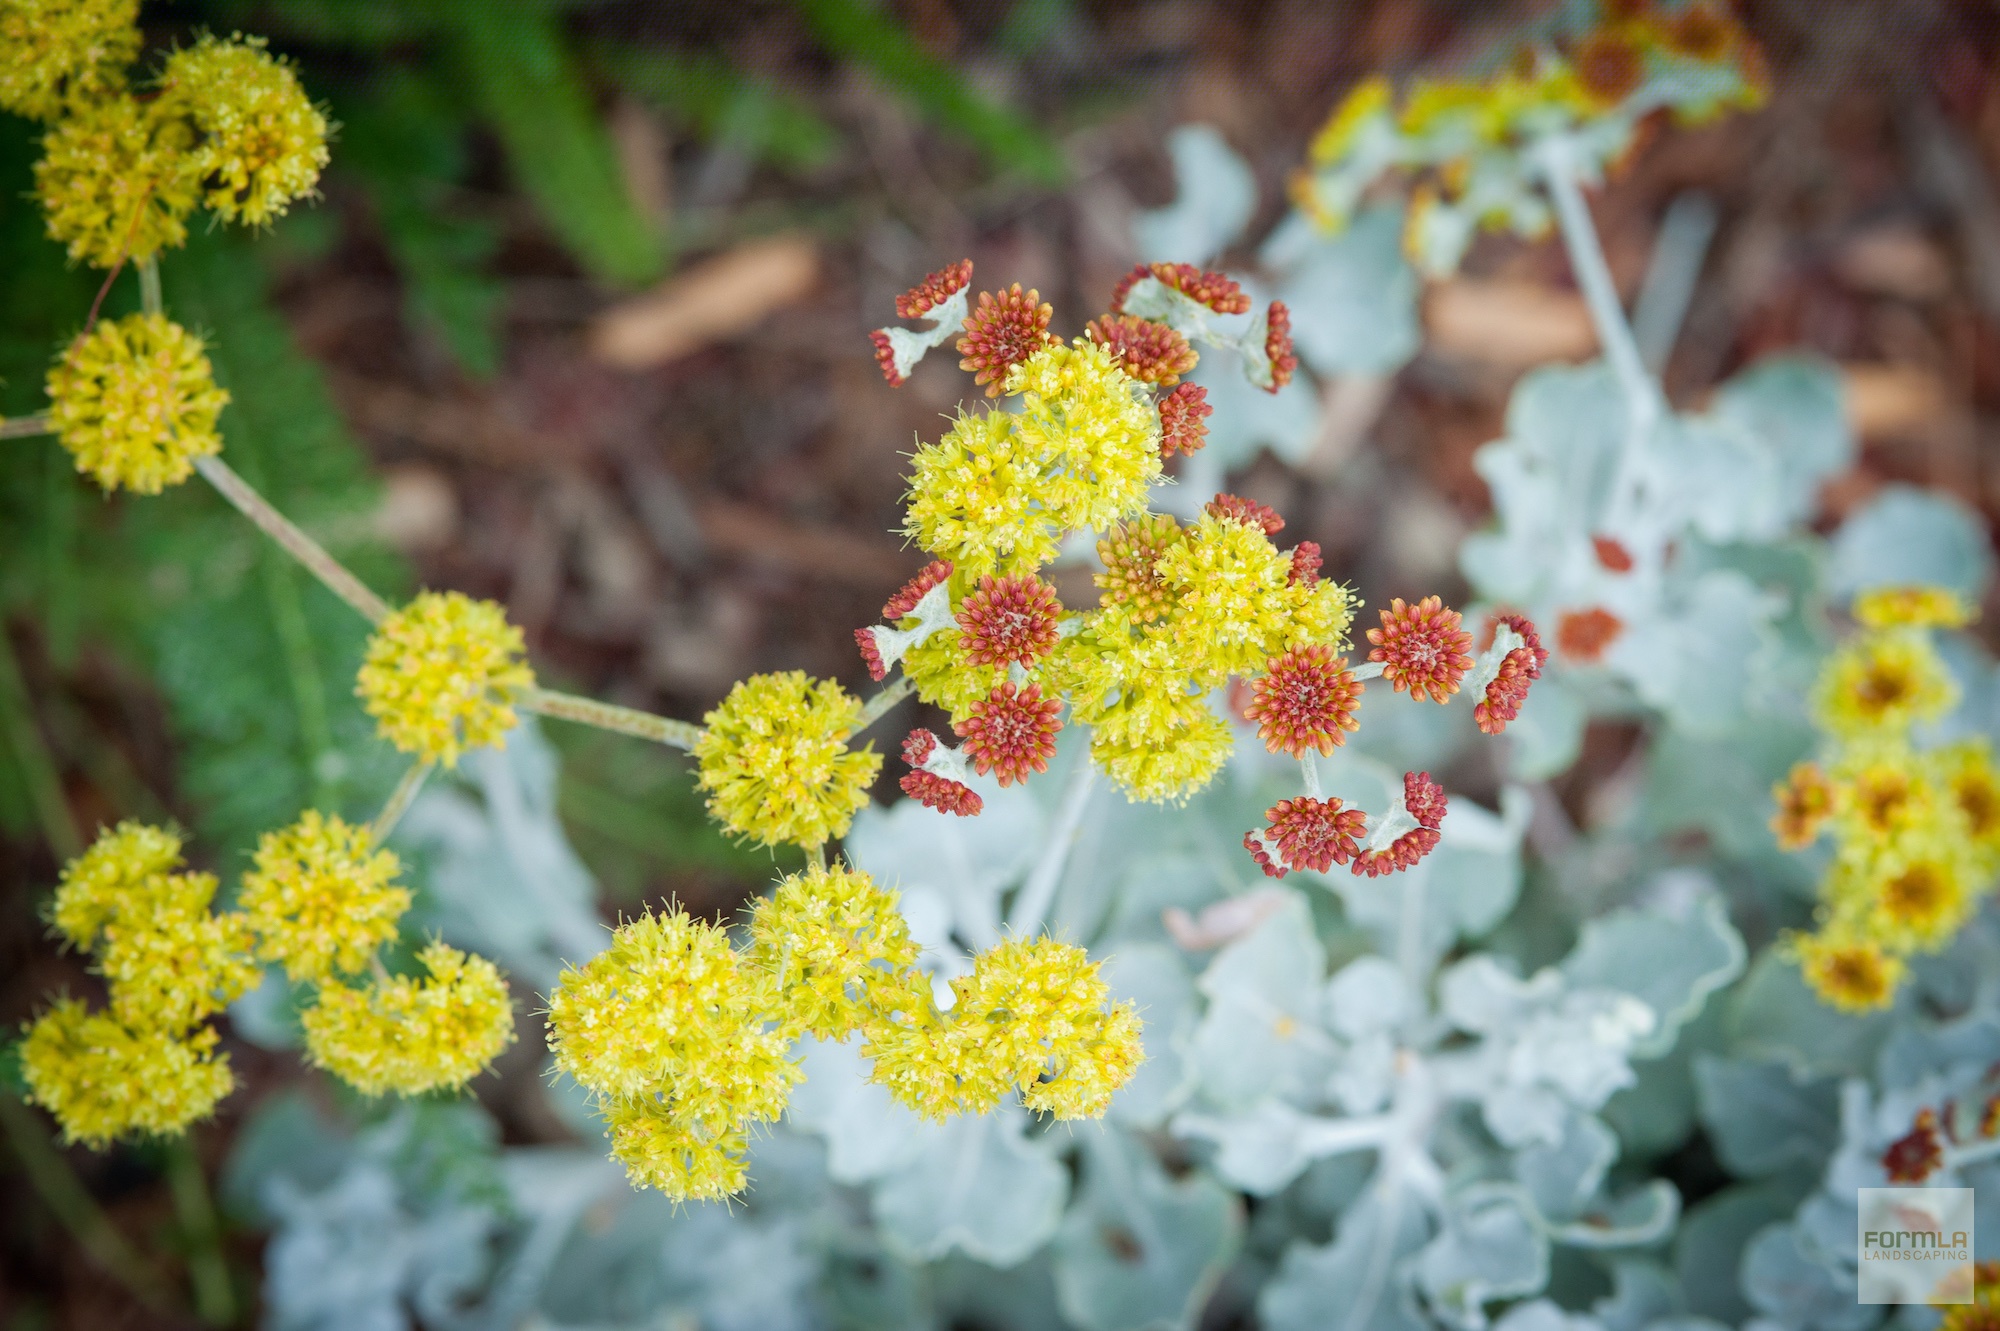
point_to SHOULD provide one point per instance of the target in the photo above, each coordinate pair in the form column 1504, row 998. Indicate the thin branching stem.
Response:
column 610, row 716
column 878, row 706
column 816, row 857
column 330, row 571
column 208, row 1267
column 1039, row 893
column 27, row 427
column 400, row 800
column 23, row 738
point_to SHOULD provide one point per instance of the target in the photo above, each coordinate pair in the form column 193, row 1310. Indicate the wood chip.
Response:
column 711, row 302
column 1507, row 322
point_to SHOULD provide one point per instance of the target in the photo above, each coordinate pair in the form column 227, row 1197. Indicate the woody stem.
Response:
column 400, row 800
column 610, row 716
column 330, row 571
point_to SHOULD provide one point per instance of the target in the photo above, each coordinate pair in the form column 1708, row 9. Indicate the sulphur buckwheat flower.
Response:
column 1609, row 67
column 1881, row 684
column 134, row 401
column 1234, row 600
column 1215, row 290
column 1518, row 668
column 775, row 761
column 112, row 880
column 321, row 898
column 1306, row 699
column 64, row 54
column 1918, row 901
column 104, row 1080
column 1283, row 363
column 1847, row 970
column 1306, row 564
column 1918, row 1153
column 1424, row 799
column 1002, row 332
column 1398, row 855
column 1913, row 607
column 937, row 781
column 685, row 1161
column 1984, row 1310
column 1011, row 732
column 1238, row 509
column 410, row 1036
column 1184, row 417
column 1150, row 352
column 261, row 142
column 115, row 182
column 904, row 602
column 1805, row 800
column 1170, row 763
column 1130, row 583
column 1966, row 772
column 1039, row 1010
column 829, row 940
column 1310, row 833
column 170, row 961
column 1009, row 621
column 442, row 674
column 1421, row 648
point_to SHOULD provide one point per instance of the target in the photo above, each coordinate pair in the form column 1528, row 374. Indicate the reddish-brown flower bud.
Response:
column 1278, row 346
column 1306, row 700
column 1424, row 798
column 918, row 746
column 885, row 356
column 1701, row 34
column 1011, row 732
column 1001, row 332
column 1247, row 511
column 934, row 290
column 942, row 793
column 904, row 602
column 1520, row 668
column 1583, row 635
column 1306, row 562
column 1184, row 417
column 1608, row 67
column 1130, row 552
column 1406, row 850
column 1611, row 554
column 1140, row 272
column 1917, row 1154
column 1009, row 621
column 1254, row 843
column 1214, row 290
column 1150, row 352
column 871, row 655
column 1422, row 649
column 1315, row 834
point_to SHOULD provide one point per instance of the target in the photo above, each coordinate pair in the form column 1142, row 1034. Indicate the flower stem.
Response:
column 208, row 1268
column 330, row 571
column 610, row 716
column 32, row 759
column 1309, row 775
column 149, row 286
column 1593, row 278
column 876, row 707
column 400, row 800
column 816, row 857
column 23, row 427
column 75, row 1209
column 1040, row 890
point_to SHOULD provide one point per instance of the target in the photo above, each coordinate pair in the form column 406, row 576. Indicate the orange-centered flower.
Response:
column 1422, row 649
column 1305, row 701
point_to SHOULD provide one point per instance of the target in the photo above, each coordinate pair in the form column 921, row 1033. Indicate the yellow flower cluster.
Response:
column 321, row 900
column 1467, row 135
column 441, row 676
column 998, row 492
column 321, row 897
column 411, row 1036
column 63, row 52
column 135, row 402
column 145, row 1063
column 683, row 1040
column 228, row 125
column 775, row 762
column 1916, row 832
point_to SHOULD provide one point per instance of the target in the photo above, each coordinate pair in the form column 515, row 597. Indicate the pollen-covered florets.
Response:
column 442, row 674
column 1421, row 648
column 1002, row 332
column 261, row 142
column 1167, row 761
column 1150, row 352
column 104, row 1080
column 112, row 879
column 1239, row 509
column 687, row 1161
column 1882, row 683
column 775, row 761
column 1805, row 800
column 134, row 401
column 1235, row 602
column 114, row 183
column 1130, row 583
column 1305, row 700
column 410, row 1036
column 1917, row 607
column 321, row 898
column 1847, row 971
column 1011, row 732
column 172, row 962
column 828, row 940
column 62, row 54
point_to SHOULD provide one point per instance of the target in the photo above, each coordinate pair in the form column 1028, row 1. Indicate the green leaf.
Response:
column 528, row 87
column 1775, row 1016
column 1139, row 1249
column 977, row 1184
column 1761, row 1118
column 1490, row 1248
column 1671, row 961
column 855, row 31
